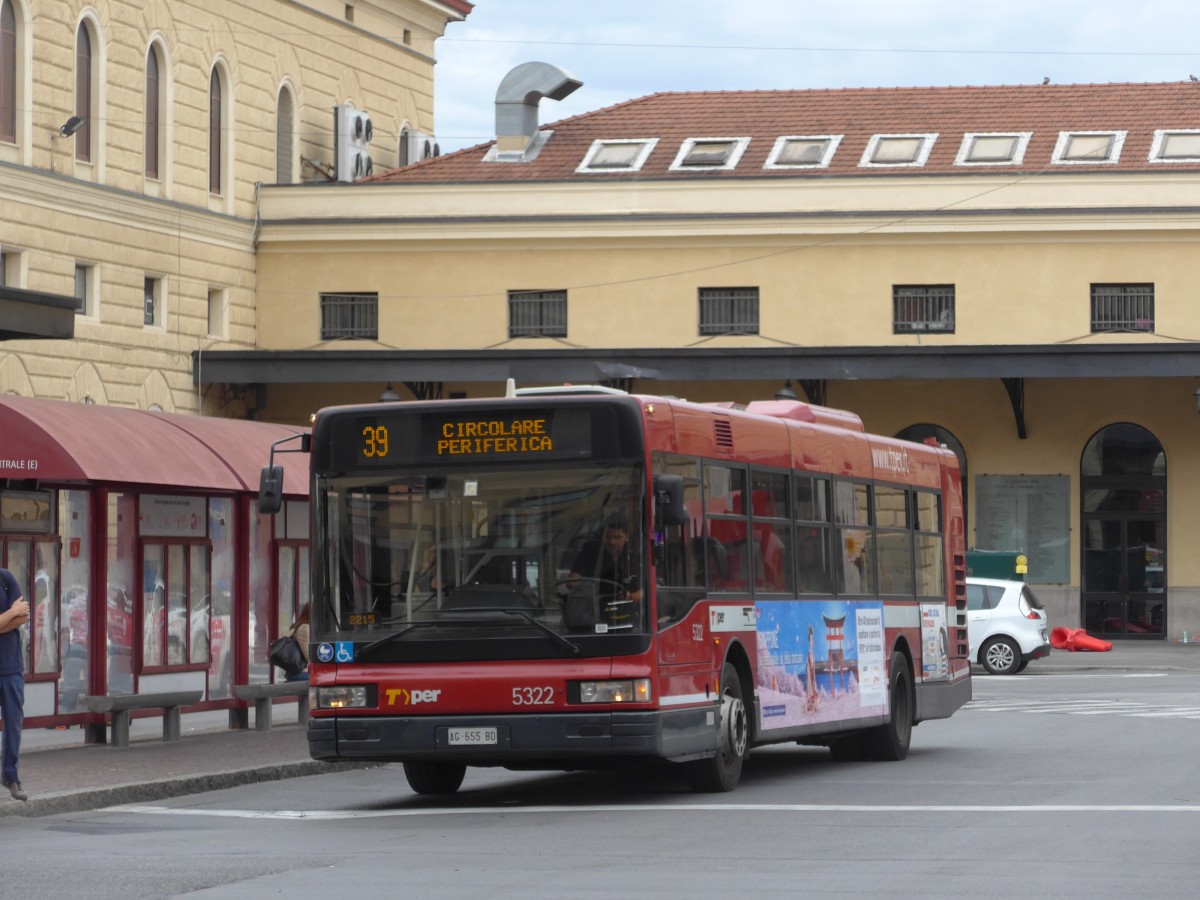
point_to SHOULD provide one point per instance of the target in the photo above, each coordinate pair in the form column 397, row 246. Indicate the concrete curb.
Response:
column 58, row 802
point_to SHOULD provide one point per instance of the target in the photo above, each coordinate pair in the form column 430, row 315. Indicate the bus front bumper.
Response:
column 562, row 739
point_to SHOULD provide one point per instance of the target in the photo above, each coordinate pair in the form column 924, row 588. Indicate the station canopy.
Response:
column 54, row 440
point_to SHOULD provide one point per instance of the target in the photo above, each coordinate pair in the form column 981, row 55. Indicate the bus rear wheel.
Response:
column 721, row 772
column 434, row 777
column 889, row 742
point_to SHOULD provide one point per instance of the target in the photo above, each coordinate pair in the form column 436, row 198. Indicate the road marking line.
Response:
column 1092, row 675
column 1129, row 709
column 336, row 814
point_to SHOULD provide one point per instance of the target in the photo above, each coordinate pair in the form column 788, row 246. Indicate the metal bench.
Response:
column 119, row 706
column 264, row 694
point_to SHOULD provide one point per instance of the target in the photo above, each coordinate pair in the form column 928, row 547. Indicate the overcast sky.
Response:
column 622, row 49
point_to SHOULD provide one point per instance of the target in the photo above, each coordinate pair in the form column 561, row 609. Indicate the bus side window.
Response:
column 713, row 559
column 678, row 550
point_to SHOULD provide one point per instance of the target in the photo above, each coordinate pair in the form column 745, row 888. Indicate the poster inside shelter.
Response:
column 820, row 662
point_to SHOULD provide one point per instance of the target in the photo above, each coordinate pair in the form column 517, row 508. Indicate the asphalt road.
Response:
column 1061, row 783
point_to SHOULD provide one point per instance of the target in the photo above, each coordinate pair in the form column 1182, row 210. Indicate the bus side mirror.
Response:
column 668, row 501
column 270, row 490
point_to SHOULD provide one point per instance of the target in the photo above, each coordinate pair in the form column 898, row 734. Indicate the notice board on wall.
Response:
column 1030, row 514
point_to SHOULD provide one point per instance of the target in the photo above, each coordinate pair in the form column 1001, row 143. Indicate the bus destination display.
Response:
column 425, row 438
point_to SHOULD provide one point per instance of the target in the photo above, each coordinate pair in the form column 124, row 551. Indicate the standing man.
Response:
column 14, row 612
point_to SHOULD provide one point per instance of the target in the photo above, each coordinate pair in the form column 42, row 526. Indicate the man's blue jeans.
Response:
column 12, row 708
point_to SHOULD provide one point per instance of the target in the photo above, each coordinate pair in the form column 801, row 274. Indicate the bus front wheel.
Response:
column 434, row 778
column 721, row 772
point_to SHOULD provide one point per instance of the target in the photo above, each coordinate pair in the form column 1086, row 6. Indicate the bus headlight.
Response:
column 631, row 691
column 341, row 696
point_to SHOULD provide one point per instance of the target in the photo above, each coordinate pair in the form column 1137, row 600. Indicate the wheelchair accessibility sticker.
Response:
column 345, row 652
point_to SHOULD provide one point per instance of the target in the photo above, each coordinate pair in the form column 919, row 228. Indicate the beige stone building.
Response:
column 134, row 137
column 1009, row 270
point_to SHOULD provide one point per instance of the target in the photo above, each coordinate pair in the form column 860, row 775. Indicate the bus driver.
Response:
column 611, row 562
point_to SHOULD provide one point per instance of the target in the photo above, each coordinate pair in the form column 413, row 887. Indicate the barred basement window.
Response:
column 537, row 314
column 729, row 310
column 922, row 307
column 1122, row 307
column 353, row 316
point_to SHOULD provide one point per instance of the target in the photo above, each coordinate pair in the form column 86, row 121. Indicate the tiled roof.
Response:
column 1043, row 110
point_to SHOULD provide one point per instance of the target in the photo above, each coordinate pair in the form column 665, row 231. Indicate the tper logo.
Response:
column 405, row 697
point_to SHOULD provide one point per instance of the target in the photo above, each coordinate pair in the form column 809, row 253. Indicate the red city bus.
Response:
column 577, row 578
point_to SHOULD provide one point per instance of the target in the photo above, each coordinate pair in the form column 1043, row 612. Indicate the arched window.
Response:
column 285, row 130
column 215, row 137
column 83, row 93
column 1124, row 449
column 153, row 118
column 402, row 153
column 8, row 73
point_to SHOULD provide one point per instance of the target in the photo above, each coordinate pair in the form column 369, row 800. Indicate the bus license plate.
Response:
column 471, row 737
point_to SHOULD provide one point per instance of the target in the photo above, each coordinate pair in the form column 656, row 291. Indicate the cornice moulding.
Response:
column 82, row 199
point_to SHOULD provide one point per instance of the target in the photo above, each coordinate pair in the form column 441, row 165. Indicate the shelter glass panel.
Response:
column 122, row 531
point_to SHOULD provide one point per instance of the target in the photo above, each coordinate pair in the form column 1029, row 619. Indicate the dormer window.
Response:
column 1088, row 147
column 1178, row 145
column 802, row 152
column 617, row 156
column 892, row 150
column 992, row 149
column 709, row 154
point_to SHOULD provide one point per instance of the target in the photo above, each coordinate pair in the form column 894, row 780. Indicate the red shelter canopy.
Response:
column 53, row 440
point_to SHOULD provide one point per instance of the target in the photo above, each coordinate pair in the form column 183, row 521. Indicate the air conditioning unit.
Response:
column 416, row 146
column 352, row 133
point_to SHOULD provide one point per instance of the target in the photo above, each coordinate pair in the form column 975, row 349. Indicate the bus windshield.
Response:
column 423, row 553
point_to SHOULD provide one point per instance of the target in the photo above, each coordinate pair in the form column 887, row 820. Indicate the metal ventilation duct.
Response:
column 517, row 101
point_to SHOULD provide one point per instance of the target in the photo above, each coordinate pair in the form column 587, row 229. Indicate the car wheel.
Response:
column 1000, row 656
column 1021, row 667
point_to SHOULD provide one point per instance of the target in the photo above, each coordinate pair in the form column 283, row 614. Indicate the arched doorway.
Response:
column 1123, row 488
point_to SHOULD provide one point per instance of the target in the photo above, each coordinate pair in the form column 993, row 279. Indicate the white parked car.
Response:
column 1006, row 624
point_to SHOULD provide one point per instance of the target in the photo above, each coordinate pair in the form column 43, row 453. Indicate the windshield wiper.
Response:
column 388, row 638
column 537, row 623
column 521, row 614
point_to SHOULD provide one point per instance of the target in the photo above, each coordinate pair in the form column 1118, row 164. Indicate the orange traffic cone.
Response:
column 1058, row 637
column 1081, row 640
